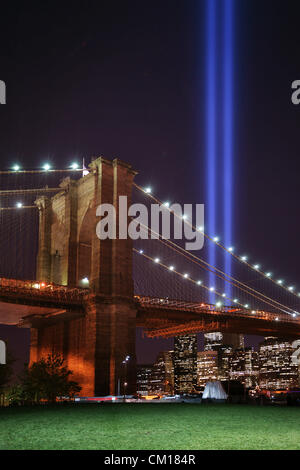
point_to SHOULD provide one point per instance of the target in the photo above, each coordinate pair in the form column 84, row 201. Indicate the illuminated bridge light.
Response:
column 184, row 217
column 216, row 239
column 16, row 168
column 231, row 249
column 269, row 274
column 219, row 304
column 167, row 204
column 186, row 276
column 280, row 281
column 74, row 166
column 148, row 190
column 235, row 301
column 157, row 260
column 85, row 280
column 141, row 252
column 199, row 283
column 246, row 306
column 19, row 205
column 171, row 268
column 224, row 295
column 291, row 288
column 201, row 229
column 253, row 311
column 46, row 167
column 256, row 266
column 212, row 289
column 277, row 318
column 244, row 258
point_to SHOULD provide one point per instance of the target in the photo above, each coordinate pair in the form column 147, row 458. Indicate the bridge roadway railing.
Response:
column 13, row 288
column 195, row 307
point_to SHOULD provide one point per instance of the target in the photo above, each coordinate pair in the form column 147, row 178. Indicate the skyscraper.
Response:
column 207, row 367
column 185, row 364
column 161, row 381
column 277, row 370
column 143, row 379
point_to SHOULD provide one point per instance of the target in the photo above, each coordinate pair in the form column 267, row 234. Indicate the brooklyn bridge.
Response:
column 83, row 297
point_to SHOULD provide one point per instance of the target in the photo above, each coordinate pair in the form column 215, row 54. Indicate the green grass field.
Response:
column 150, row 426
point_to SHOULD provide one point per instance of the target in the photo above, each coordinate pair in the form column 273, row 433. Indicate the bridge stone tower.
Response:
column 95, row 343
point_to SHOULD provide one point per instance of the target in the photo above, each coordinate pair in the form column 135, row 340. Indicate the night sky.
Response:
column 127, row 79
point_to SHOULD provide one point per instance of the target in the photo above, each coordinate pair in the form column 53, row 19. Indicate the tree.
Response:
column 47, row 379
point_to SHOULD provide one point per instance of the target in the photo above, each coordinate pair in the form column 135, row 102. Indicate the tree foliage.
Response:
column 47, row 379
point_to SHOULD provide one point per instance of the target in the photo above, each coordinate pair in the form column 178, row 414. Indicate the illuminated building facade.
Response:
column 143, row 379
column 207, row 367
column 244, row 367
column 185, row 364
column 213, row 341
column 277, row 370
column 161, row 381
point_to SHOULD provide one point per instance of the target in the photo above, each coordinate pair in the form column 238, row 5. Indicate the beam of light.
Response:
column 228, row 133
column 211, row 131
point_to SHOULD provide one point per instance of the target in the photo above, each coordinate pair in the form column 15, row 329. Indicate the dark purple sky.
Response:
column 126, row 78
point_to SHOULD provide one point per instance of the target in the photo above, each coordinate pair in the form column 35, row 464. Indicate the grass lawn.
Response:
column 150, row 426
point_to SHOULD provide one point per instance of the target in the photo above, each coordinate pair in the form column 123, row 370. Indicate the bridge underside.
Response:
column 94, row 333
column 166, row 323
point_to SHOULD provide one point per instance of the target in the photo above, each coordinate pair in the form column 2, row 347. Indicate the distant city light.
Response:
column 219, row 304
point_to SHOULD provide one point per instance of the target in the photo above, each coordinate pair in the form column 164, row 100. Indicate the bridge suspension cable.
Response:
column 216, row 241
column 222, row 275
